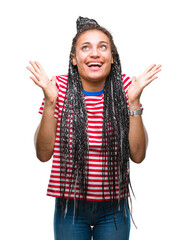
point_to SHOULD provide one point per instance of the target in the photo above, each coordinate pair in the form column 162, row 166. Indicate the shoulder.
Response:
column 61, row 81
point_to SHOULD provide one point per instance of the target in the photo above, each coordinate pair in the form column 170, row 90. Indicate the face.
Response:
column 93, row 58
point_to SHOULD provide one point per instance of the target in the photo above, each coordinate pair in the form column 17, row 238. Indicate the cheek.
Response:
column 110, row 61
column 80, row 64
column 80, row 60
column 109, row 57
column 77, row 60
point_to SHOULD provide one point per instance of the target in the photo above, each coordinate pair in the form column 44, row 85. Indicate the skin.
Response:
column 138, row 138
column 92, row 46
column 46, row 131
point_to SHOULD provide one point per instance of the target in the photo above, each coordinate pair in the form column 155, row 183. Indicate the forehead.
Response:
column 92, row 36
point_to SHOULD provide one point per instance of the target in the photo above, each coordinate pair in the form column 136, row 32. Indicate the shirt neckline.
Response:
column 93, row 93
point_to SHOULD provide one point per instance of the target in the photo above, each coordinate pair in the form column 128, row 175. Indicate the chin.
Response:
column 97, row 76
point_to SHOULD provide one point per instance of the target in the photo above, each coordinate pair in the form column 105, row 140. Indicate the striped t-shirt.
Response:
column 94, row 105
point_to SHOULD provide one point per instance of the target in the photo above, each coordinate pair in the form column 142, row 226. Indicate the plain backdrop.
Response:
column 145, row 32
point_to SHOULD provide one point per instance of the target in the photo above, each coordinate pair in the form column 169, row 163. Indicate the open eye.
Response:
column 103, row 47
column 85, row 48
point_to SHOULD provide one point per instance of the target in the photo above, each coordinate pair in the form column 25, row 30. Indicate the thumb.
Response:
column 133, row 80
column 54, row 80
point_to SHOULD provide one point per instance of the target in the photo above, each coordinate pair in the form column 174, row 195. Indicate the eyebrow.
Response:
column 90, row 43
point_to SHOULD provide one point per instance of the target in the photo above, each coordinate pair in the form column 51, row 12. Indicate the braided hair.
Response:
column 115, row 143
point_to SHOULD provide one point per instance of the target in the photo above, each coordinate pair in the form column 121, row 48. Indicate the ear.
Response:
column 112, row 60
column 74, row 61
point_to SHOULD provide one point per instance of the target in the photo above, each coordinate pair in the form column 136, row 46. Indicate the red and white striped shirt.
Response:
column 94, row 105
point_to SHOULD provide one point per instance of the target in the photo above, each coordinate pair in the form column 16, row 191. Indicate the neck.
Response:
column 93, row 86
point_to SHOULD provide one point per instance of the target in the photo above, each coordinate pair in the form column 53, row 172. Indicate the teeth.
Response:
column 95, row 64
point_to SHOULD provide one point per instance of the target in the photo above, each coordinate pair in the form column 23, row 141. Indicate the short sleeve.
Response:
column 56, row 112
column 126, row 84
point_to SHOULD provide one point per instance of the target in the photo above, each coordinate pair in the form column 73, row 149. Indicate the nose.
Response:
column 95, row 53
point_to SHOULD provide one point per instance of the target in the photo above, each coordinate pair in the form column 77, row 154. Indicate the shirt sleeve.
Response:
column 56, row 112
column 126, row 84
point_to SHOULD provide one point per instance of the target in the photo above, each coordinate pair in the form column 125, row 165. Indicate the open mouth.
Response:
column 95, row 65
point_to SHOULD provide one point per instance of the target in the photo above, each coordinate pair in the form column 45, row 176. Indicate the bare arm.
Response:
column 138, row 138
column 46, row 131
column 45, row 134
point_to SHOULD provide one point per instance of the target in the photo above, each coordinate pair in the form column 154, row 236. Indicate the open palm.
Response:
column 139, row 83
column 41, row 79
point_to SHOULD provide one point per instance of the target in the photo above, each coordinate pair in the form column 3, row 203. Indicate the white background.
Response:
column 145, row 32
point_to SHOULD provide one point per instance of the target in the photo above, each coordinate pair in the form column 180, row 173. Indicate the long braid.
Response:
column 115, row 143
column 115, row 132
column 75, row 114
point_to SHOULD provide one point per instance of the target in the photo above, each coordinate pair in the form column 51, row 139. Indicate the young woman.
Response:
column 91, row 124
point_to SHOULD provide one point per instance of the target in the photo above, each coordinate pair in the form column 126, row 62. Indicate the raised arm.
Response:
column 46, row 131
column 138, row 138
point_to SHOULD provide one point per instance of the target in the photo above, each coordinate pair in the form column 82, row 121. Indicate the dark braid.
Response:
column 115, row 132
column 115, row 143
column 75, row 114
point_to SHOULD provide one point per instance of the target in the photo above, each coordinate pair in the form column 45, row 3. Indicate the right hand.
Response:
column 41, row 79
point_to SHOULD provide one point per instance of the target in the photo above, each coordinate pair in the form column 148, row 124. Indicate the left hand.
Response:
column 139, row 83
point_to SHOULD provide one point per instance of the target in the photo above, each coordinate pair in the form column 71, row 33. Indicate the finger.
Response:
column 158, row 66
column 54, row 80
column 34, row 72
column 133, row 79
column 152, row 73
column 34, row 65
column 30, row 69
column 39, row 66
column 36, row 81
column 150, row 80
column 149, row 69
